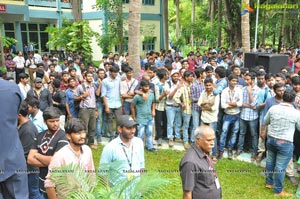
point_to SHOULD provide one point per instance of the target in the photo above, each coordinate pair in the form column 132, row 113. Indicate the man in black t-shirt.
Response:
column 27, row 135
column 47, row 143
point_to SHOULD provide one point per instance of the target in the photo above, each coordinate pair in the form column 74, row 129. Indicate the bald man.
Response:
column 198, row 174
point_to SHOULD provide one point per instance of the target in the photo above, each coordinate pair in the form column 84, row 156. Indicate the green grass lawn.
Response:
column 246, row 182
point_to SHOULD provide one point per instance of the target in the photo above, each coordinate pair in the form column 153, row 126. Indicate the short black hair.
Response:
column 187, row 73
column 221, row 71
column 277, row 85
column 51, row 113
column 145, row 83
column 23, row 110
column 208, row 80
column 289, row 95
column 251, row 75
column 199, row 71
column 33, row 101
column 161, row 73
column 74, row 125
column 56, row 83
column 209, row 68
column 232, row 76
column 296, row 80
column 114, row 69
column 260, row 73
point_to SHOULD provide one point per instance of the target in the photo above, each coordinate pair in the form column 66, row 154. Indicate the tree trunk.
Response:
column 282, row 28
column 76, row 10
column 219, row 22
column 134, row 20
column 245, row 27
column 177, row 17
column 212, row 17
column 2, row 59
column 120, row 25
column 193, row 23
column 166, row 24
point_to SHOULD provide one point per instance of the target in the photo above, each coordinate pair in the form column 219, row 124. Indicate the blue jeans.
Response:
column 253, row 130
column 279, row 153
column 126, row 106
column 141, row 130
column 196, row 122
column 227, row 121
column 173, row 116
column 186, row 124
column 99, row 121
column 214, row 126
column 33, row 186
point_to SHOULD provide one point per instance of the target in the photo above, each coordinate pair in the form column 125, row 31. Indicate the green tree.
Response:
column 67, row 37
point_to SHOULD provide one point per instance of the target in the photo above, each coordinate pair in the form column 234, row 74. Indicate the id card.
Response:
column 217, row 182
column 129, row 175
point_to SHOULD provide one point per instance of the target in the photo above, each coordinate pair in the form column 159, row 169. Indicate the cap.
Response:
column 23, row 75
column 38, row 79
column 125, row 120
column 174, row 72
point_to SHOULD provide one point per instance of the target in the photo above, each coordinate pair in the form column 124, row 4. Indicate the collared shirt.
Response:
column 235, row 95
column 117, row 151
column 221, row 85
column 38, row 121
column 24, row 89
column 196, row 89
column 160, row 104
column 111, row 90
column 183, row 95
column 209, row 116
column 128, row 87
column 250, row 114
column 70, row 101
column 198, row 175
column 143, row 108
column 169, row 87
column 90, row 100
column 20, row 61
column 283, row 118
column 66, row 156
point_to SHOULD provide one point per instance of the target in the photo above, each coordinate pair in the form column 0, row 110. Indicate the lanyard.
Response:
column 129, row 162
column 45, row 148
column 210, row 166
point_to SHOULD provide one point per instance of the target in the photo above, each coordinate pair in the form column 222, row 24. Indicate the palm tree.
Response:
column 134, row 23
column 245, row 29
column 73, row 182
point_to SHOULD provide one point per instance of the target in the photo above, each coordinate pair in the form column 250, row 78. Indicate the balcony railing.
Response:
column 49, row 3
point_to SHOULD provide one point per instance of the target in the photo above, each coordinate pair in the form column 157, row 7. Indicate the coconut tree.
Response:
column 245, row 28
column 134, row 23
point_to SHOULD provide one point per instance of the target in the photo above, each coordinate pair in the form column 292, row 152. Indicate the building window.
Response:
column 125, row 1
column 34, row 33
column 9, row 30
column 125, row 45
column 149, row 43
column 149, row 2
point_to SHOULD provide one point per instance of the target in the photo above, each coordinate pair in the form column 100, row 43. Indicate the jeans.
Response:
column 33, row 186
column 99, row 121
column 126, row 106
column 227, row 121
column 253, row 130
column 113, row 111
column 88, row 116
column 196, row 122
column 141, row 130
column 173, row 116
column 186, row 124
column 279, row 153
column 213, row 125
column 160, row 123
column 16, row 186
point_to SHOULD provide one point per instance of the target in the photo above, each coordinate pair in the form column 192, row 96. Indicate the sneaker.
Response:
column 269, row 186
column 170, row 143
column 237, row 153
column 230, row 154
column 95, row 142
column 220, row 155
column 186, row 145
column 284, row 194
column 159, row 142
column 260, row 157
column 154, row 142
column 178, row 140
column 154, row 150
column 253, row 157
column 293, row 180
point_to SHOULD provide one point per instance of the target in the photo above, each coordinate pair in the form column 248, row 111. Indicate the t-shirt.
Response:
column 143, row 108
column 48, row 144
column 27, row 135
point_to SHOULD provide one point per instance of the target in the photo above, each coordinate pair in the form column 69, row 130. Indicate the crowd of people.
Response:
column 169, row 99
